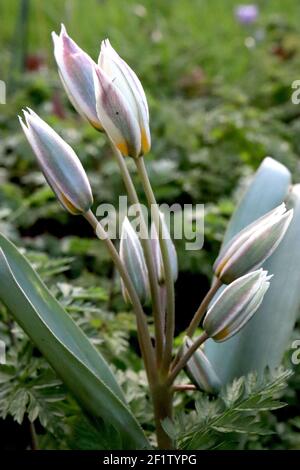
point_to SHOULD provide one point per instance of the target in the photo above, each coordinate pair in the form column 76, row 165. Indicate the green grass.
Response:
column 161, row 38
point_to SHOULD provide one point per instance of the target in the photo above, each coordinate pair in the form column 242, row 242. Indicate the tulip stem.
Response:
column 170, row 320
column 203, row 307
column 184, row 388
column 184, row 359
column 161, row 393
column 146, row 245
column 142, row 327
column 162, row 396
column 195, row 322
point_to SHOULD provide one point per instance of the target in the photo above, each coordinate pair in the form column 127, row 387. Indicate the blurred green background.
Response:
column 220, row 100
column 219, row 93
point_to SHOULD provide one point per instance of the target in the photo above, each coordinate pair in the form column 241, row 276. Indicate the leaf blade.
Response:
column 265, row 338
column 67, row 349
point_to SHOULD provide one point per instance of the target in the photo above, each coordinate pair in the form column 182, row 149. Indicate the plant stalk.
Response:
column 203, row 307
column 196, row 320
column 170, row 320
column 146, row 245
column 142, row 327
column 184, row 359
column 162, row 396
column 33, row 436
column 184, row 388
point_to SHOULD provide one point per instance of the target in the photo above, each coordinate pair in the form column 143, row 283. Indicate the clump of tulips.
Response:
column 111, row 98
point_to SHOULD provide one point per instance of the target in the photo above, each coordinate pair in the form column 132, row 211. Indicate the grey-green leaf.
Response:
column 267, row 190
column 65, row 346
column 265, row 338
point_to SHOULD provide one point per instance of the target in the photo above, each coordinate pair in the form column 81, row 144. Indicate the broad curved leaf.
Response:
column 267, row 190
column 265, row 338
column 65, row 346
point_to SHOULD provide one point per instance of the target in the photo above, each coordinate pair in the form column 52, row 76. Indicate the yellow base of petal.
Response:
column 122, row 146
column 221, row 335
column 68, row 205
column 96, row 126
column 145, row 142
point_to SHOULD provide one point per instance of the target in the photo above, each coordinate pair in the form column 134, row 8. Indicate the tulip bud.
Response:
column 157, row 252
column 252, row 245
column 121, row 103
column 236, row 305
column 132, row 256
column 59, row 164
column 200, row 370
column 76, row 72
column 115, row 115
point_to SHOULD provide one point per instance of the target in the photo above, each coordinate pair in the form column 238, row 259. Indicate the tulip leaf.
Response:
column 267, row 190
column 263, row 341
column 65, row 346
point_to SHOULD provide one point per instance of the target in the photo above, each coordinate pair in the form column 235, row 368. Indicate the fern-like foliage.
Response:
column 48, row 267
column 88, row 307
column 29, row 387
column 99, row 436
column 220, row 423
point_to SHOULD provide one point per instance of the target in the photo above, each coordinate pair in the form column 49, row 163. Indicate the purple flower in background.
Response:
column 246, row 14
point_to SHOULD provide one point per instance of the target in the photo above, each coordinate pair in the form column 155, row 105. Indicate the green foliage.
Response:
column 218, row 423
column 265, row 338
column 29, row 387
column 81, row 367
column 100, row 436
column 217, row 106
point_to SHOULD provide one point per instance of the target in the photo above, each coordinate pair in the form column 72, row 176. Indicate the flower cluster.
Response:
column 111, row 98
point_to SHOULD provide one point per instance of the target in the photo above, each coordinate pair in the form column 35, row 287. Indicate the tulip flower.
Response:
column 131, row 253
column 76, row 72
column 200, row 370
column 236, row 305
column 157, row 251
column 59, row 164
column 121, row 103
column 253, row 245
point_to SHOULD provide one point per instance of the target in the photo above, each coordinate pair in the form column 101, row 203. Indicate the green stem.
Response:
column 184, row 359
column 162, row 396
column 184, row 388
column 146, row 244
column 170, row 321
column 33, row 437
column 195, row 322
column 203, row 307
column 142, row 327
